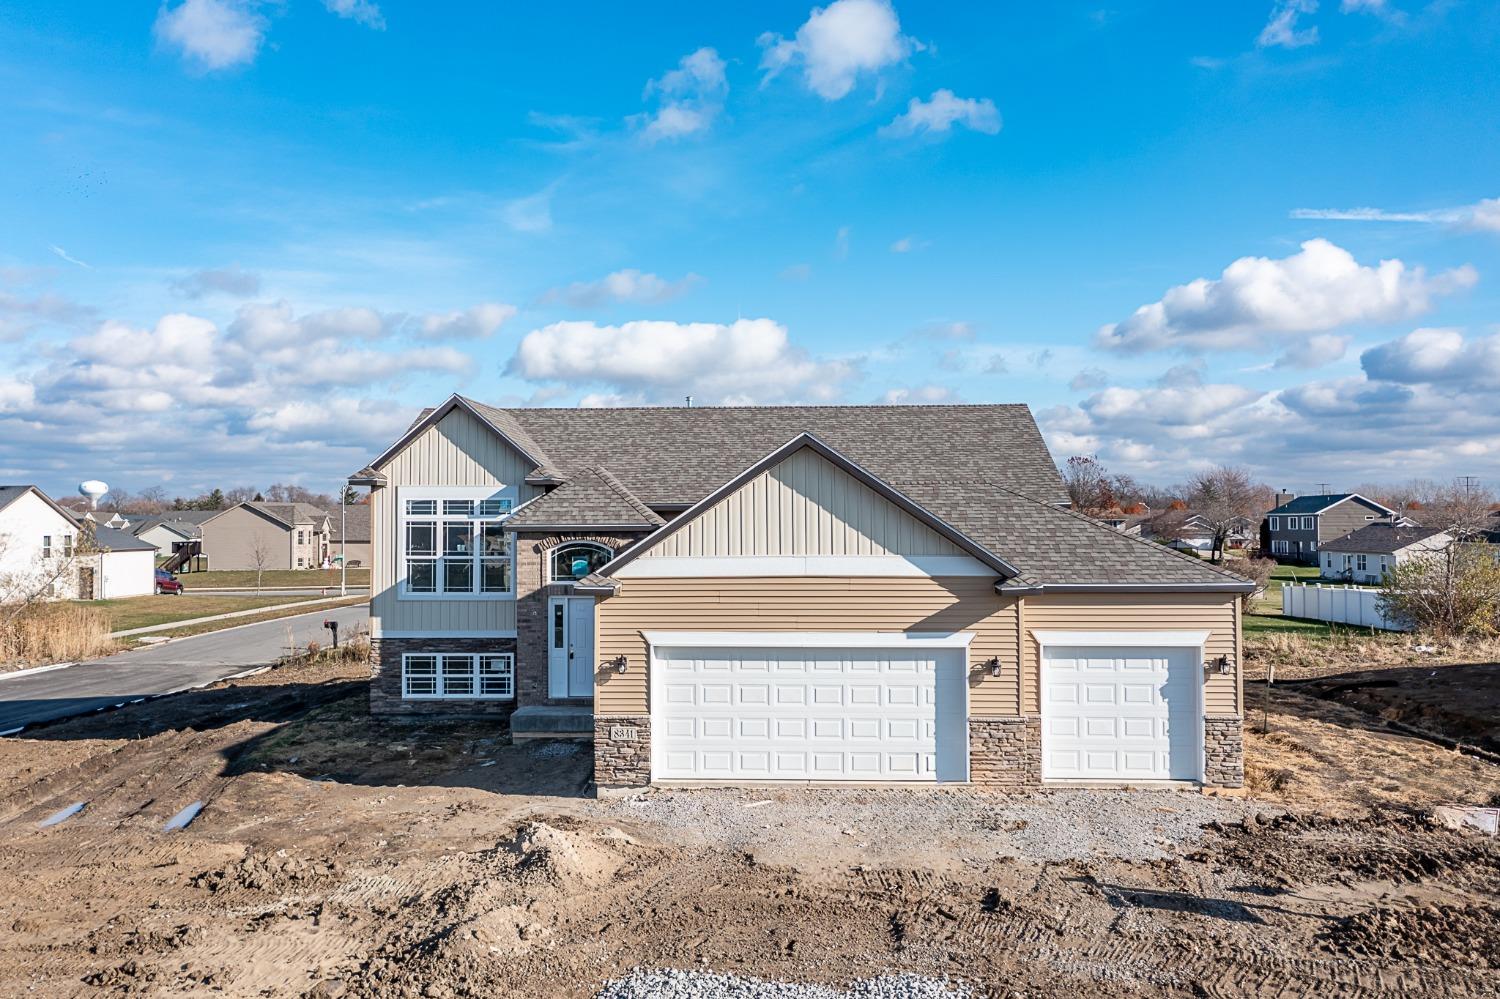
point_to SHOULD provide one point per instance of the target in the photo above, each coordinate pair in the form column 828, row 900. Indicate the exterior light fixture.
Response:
column 1220, row 665
column 618, row 664
column 994, row 665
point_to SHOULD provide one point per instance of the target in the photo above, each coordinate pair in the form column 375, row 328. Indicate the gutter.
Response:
column 1038, row 588
column 544, row 528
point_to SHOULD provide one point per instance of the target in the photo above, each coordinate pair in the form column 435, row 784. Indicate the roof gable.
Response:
column 591, row 499
column 10, row 494
column 498, row 421
column 1319, row 502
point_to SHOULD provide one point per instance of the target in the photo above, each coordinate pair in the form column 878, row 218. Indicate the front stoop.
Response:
column 552, row 721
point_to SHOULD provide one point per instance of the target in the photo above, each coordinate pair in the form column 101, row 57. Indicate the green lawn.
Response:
column 143, row 612
column 1265, row 616
column 235, row 622
column 272, row 578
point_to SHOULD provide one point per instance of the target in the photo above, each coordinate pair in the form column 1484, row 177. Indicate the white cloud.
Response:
column 1089, row 378
column 1314, row 351
column 938, row 115
column 1184, row 406
column 16, row 396
column 920, row 395
column 1436, row 356
column 1281, row 30
column 474, row 323
column 1483, row 215
column 19, row 316
column 692, row 95
column 362, row 11
column 627, row 285
column 532, row 213
column 750, row 360
column 65, row 255
column 1317, row 289
column 213, row 34
column 902, row 245
column 837, row 44
column 230, row 280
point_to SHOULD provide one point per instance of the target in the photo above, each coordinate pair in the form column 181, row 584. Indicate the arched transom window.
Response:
column 577, row 559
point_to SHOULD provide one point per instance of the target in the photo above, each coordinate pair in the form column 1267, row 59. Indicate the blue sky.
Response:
column 244, row 242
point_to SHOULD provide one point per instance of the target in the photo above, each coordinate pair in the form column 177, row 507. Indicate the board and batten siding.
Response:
column 1215, row 613
column 804, row 505
column 811, row 603
column 458, row 450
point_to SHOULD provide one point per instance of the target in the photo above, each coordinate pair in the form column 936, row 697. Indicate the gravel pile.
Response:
column 885, row 824
column 670, row 984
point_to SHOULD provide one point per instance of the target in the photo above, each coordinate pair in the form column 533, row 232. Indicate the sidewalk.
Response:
column 223, row 617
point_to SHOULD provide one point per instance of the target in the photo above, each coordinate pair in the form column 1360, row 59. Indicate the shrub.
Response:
column 1450, row 593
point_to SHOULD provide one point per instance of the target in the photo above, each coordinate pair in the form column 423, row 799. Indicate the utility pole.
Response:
column 343, row 547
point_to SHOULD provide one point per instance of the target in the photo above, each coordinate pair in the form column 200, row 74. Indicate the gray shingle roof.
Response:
column 9, row 494
column 1319, row 501
column 591, row 497
column 291, row 513
column 357, row 523
column 1379, row 539
column 115, row 540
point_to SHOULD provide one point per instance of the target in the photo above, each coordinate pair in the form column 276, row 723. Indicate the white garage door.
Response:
column 1120, row 713
column 809, row 714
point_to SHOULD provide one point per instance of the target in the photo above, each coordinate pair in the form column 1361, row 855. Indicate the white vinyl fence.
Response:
column 1338, row 604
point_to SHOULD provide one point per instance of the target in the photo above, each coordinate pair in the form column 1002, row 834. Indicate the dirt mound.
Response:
column 269, row 872
column 568, row 857
column 1460, row 934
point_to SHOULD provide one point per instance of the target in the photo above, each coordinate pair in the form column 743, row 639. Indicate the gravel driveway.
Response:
column 669, row 984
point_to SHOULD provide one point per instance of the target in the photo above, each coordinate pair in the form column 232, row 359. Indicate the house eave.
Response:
column 1031, row 589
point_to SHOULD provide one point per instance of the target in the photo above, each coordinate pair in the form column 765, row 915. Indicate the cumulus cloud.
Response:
column 1436, row 356
column 1317, row 289
column 473, row 323
column 629, row 285
column 837, row 44
column 20, row 315
column 16, row 396
column 1089, row 378
column 937, row 115
column 1314, row 351
column 230, row 281
column 1483, row 215
column 691, row 97
column 750, row 360
column 361, row 11
column 212, row 34
column 1281, row 31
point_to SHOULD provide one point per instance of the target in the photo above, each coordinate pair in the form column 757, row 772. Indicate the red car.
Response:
column 168, row 583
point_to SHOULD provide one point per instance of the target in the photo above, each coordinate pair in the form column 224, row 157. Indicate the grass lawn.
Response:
column 143, row 612
column 199, row 629
column 273, row 578
column 1265, row 617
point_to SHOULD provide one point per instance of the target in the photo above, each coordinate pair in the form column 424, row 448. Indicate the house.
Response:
column 355, row 542
column 1368, row 554
column 1300, row 525
column 254, row 535
column 844, row 593
column 118, row 564
column 48, row 552
column 106, row 518
column 170, row 532
column 1133, row 524
column 1192, row 532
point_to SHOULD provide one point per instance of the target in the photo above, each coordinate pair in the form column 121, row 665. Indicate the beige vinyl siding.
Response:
column 459, row 450
column 805, row 505
column 1216, row 613
column 951, row 604
column 231, row 538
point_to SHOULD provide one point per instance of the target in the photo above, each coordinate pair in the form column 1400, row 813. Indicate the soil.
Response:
column 335, row 855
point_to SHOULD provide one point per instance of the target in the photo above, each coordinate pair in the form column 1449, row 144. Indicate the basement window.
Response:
column 483, row 676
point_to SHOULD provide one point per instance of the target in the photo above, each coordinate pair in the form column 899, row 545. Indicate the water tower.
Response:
column 93, row 489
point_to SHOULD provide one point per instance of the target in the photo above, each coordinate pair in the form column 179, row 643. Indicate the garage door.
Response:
column 1120, row 713
column 809, row 714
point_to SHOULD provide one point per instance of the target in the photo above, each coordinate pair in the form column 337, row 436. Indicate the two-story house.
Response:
column 1299, row 525
column 844, row 593
column 254, row 535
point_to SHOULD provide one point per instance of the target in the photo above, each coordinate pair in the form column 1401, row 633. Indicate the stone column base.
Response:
column 1223, row 751
column 622, row 751
column 1006, row 752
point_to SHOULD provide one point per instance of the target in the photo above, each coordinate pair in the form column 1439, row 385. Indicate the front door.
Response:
column 570, row 658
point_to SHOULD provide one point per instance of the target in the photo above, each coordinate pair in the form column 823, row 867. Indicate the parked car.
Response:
column 168, row 583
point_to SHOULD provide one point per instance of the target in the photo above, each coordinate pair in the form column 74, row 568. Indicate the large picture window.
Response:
column 483, row 676
column 577, row 559
column 456, row 547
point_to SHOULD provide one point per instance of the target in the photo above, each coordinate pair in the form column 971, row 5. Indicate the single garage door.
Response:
column 862, row 714
column 1120, row 713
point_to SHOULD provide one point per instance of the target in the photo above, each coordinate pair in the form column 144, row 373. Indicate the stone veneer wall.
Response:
column 385, row 678
column 1006, row 752
column 1223, row 751
column 622, row 750
column 532, row 552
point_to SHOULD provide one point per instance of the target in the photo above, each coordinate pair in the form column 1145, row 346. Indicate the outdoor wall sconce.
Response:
column 1220, row 665
column 993, row 663
column 618, row 664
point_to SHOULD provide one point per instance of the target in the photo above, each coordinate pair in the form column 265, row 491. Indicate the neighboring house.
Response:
column 1367, row 555
column 1132, row 524
column 355, row 545
column 37, row 538
column 170, row 532
column 125, row 566
column 1301, row 525
column 1192, row 532
column 843, row 593
column 267, row 536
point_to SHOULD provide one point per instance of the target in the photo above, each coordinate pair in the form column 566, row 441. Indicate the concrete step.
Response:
column 552, row 721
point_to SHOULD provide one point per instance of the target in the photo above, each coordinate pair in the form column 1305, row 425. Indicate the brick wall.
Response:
column 622, row 750
column 385, row 678
column 532, row 592
column 1006, row 752
column 1223, row 752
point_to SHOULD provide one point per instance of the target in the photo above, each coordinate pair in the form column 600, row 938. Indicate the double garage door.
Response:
column 836, row 713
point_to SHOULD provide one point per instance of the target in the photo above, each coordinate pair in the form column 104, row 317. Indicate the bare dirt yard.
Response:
column 334, row 855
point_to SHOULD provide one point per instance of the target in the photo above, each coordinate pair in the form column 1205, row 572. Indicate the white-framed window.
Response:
column 573, row 560
column 300, row 561
column 469, row 676
column 454, row 545
column 46, row 546
column 1281, row 547
column 1275, row 523
column 1362, row 563
column 1312, row 546
column 67, row 546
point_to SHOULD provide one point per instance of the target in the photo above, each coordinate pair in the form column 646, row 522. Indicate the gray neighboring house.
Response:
column 355, row 543
column 168, row 532
column 267, row 536
column 1300, row 526
column 1367, row 555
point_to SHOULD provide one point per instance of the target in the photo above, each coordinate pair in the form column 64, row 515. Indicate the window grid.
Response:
column 457, row 546
column 487, row 676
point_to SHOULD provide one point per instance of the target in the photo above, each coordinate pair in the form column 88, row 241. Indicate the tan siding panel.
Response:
column 1215, row 613
column 811, row 604
column 231, row 538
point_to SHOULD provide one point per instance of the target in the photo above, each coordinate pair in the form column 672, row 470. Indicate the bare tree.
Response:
column 38, row 578
column 1227, row 501
column 1452, row 592
column 1088, row 484
column 1463, row 507
column 260, row 555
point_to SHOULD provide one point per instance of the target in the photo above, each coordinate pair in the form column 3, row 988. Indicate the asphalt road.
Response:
column 162, row 669
column 333, row 591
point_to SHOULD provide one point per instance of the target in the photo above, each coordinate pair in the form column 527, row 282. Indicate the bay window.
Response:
column 455, row 546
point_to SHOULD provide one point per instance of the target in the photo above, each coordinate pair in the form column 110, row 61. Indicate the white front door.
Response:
column 570, row 647
column 840, row 714
column 1121, row 713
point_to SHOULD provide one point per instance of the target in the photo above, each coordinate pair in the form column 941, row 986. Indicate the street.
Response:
column 164, row 668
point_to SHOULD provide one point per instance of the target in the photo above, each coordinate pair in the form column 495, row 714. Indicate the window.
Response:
column 484, row 676
column 67, row 546
column 1312, row 546
column 456, row 547
column 1275, row 523
column 301, row 537
column 1281, row 547
column 577, row 559
column 1362, row 563
column 46, row 546
column 300, row 564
